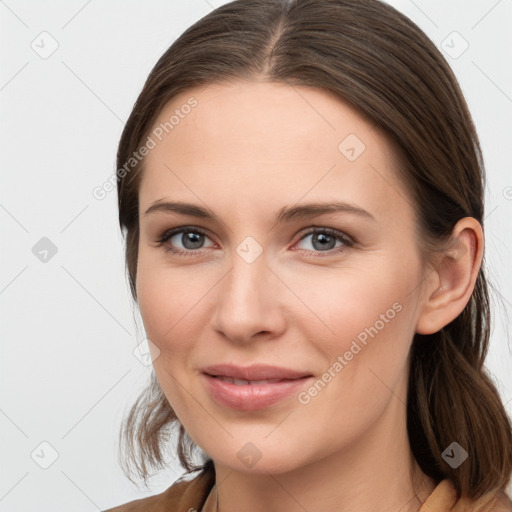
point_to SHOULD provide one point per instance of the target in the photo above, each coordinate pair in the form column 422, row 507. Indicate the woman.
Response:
column 301, row 188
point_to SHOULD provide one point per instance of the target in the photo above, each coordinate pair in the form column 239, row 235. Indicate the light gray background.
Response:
column 68, row 370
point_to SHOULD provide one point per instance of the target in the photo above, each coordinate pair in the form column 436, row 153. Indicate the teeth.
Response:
column 242, row 382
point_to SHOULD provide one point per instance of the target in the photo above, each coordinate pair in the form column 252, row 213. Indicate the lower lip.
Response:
column 251, row 397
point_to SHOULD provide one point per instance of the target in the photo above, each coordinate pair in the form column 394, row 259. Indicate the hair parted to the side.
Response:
column 377, row 60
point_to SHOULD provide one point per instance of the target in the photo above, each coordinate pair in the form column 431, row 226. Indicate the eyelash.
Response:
column 347, row 241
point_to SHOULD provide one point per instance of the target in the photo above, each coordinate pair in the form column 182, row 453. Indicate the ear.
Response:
column 450, row 284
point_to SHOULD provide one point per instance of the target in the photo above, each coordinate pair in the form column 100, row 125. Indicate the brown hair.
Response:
column 377, row 60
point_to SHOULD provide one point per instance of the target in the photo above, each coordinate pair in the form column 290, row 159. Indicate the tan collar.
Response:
column 442, row 498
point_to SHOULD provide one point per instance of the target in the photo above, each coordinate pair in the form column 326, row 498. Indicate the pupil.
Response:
column 324, row 238
column 192, row 240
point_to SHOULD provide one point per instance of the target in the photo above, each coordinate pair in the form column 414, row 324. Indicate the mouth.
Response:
column 243, row 382
column 252, row 395
column 254, row 373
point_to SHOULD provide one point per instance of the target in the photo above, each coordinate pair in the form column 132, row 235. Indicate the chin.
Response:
column 250, row 459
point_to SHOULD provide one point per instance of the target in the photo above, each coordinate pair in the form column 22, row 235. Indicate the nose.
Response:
column 249, row 302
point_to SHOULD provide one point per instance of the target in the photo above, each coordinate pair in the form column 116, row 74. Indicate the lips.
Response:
column 253, row 387
column 252, row 396
column 254, row 373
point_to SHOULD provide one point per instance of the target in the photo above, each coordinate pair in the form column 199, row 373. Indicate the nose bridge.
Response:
column 248, row 302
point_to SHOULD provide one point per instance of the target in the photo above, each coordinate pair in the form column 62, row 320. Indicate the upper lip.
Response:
column 254, row 372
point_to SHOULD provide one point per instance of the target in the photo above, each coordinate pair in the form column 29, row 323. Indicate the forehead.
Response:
column 246, row 140
column 266, row 117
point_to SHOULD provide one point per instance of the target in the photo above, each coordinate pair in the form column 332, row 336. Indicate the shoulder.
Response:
column 444, row 498
column 494, row 501
column 502, row 503
column 182, row 495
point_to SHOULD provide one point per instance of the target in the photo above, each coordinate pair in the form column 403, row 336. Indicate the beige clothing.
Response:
column 200, row 495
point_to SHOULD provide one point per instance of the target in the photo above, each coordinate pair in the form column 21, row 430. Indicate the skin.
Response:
column 245, row 151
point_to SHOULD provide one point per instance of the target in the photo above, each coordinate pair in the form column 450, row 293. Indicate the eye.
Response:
column 324, row 239
column 191, row 238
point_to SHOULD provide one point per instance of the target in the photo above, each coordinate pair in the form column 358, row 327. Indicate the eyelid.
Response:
column 326, row 229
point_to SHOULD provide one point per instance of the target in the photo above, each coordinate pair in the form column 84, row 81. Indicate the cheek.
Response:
column 363, row 324
column 170, row 301
column 166, row 306
column 157, row 299
column 154, row 305
column 343, row 303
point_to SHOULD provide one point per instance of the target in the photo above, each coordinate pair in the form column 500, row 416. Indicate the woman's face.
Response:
column 340, row 306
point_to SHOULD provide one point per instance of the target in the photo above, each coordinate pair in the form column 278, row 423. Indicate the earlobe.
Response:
column 451, row 286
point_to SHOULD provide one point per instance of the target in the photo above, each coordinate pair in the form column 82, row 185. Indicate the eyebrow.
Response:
column 285, row 214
